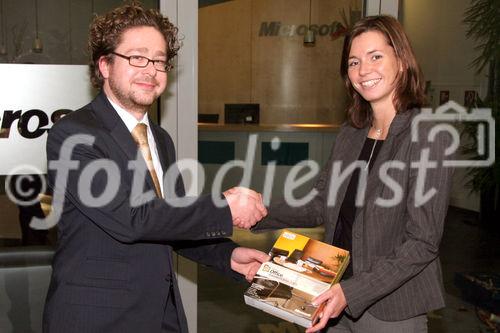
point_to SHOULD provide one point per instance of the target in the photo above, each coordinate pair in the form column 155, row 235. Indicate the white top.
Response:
column 131, row 122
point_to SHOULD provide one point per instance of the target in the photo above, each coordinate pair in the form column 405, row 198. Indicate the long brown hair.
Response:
column 409, row 82
column 106, row 32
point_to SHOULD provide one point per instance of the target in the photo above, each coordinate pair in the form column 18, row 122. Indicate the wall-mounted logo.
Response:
column 278, row 29
column 47, row 93
column 31, row 124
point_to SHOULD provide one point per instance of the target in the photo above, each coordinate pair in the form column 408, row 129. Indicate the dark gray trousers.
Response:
column 170, row 323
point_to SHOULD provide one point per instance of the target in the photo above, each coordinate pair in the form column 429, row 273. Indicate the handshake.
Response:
column 247, row 206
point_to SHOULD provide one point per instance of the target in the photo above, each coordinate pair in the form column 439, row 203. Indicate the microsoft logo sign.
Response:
column 277, row 29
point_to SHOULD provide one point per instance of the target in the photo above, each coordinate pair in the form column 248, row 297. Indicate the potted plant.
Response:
column 483, row 21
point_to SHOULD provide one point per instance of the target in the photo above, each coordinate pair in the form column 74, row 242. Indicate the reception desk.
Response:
column 257, row 145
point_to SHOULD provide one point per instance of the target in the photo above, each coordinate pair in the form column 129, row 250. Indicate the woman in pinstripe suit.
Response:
column 382, row 195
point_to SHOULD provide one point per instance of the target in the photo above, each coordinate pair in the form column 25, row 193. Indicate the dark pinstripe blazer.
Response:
column 397, row 273
column 112, row 269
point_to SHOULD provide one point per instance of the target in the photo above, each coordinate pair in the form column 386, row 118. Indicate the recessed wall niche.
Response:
column 252, row 51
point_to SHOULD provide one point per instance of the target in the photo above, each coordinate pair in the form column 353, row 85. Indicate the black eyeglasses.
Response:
column 140, row 61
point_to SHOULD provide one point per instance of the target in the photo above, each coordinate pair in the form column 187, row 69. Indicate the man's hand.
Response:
column 247, row 207
column 247, row 261
column 335, row 304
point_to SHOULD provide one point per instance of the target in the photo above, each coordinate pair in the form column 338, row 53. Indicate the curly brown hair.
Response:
column 410, row 82
column 106, row 31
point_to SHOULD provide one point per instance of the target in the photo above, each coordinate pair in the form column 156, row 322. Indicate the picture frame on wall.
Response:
column 444, row 96
column 470, row 97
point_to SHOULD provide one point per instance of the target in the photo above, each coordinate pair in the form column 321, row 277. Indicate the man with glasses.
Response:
column 141, row 61
column 113, row 269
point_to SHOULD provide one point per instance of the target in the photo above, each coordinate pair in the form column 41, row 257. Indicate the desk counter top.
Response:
column 268, row 127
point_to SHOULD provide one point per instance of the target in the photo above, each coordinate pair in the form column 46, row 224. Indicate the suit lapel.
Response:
column 119, row 132
column 351, row 149
column 161, row 147
column 347, row 151
column 163, row 155
column 386, row 153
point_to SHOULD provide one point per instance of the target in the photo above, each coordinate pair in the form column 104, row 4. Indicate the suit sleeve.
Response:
column 283, row 215
column 423, row 231
column 213, row 253
column 125, row 220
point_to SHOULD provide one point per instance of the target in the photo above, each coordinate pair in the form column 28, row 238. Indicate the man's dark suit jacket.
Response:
column 112, row 270
column 397, row 274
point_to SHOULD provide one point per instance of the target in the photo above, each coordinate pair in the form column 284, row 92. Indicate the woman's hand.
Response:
column 334, row 303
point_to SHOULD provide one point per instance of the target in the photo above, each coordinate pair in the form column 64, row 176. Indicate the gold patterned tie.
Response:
column 140, row 135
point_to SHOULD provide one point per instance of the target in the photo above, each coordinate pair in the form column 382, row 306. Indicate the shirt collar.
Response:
column 127, row 118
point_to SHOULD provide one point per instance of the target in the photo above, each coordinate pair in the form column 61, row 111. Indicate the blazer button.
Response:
column 213, row 233
column 207, row 233
column 223, row 233
column 357, row 235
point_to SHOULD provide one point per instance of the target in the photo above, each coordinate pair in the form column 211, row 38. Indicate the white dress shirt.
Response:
column 131, row 122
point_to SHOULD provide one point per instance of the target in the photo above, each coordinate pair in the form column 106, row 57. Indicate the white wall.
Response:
column 437, row 34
